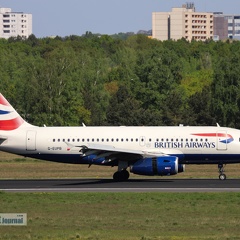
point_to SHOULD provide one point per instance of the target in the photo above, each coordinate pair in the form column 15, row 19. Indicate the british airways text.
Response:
column 185, row 145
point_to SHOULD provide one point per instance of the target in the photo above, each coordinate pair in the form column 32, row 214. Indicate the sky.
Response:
column 75, row 17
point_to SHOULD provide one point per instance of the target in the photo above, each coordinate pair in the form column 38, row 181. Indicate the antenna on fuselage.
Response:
column 218, row 125
column 83, row 125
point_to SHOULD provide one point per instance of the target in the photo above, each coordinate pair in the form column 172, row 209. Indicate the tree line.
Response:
column 104, row 80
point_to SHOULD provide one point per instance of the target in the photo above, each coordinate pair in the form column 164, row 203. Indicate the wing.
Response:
column 108, row 154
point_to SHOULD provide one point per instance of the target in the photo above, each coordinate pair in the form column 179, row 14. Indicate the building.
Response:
column 226, row 26
column 13, row 24
column 220, row 27
column 183, row 22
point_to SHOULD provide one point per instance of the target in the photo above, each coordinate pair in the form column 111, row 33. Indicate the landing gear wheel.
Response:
column 121, row 176
column 125, row 174
column 222, row 176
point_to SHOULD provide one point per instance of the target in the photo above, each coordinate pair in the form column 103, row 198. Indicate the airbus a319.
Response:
column 160, row 151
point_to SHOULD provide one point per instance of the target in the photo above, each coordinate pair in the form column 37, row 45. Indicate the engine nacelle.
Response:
column 161, row 166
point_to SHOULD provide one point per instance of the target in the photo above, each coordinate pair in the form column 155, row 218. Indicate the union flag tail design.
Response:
column 9, row 118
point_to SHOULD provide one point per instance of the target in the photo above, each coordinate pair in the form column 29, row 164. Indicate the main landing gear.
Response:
column 122, row 174
column 222, row 176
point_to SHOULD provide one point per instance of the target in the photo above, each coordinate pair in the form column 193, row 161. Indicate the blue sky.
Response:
column 64, row 18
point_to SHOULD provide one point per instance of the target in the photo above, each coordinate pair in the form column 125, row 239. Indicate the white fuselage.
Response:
column 63, row 144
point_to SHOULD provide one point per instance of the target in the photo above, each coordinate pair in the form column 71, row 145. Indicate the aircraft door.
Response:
column 222, row 140
column 31, row 141
column 142, row 141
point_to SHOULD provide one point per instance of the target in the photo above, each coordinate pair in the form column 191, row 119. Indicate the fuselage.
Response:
column 192, row 145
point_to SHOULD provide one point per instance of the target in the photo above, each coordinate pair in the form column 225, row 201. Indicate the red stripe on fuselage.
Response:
column 8, row 125
column 212, row 135
column 3, row 101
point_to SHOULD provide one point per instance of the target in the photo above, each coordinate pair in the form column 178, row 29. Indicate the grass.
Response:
column 124, row 215
column 134, row 216
column 15, row 167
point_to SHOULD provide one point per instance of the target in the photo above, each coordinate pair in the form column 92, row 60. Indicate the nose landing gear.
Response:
column 222, row 176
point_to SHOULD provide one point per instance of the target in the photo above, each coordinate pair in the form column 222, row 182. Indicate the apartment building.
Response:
column 183, row 22
column 226, row 26
column 14, row 24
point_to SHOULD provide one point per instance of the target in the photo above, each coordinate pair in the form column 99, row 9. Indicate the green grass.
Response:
column 123, row 215
column 15, row 167
column 134, row 216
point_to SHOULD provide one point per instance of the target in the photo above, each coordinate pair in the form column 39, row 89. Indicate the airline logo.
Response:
column 208, row 140
column 9, row 118
column 223, row 137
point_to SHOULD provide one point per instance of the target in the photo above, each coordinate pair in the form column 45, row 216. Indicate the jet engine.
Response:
column 161, row 166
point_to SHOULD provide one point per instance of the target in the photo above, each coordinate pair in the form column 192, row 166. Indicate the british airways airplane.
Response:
column 148, row 151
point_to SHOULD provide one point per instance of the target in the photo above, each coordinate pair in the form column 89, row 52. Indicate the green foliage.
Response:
column 124, row 79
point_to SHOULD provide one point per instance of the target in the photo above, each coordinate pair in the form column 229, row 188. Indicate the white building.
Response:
column 183, row 22
column 13, row 24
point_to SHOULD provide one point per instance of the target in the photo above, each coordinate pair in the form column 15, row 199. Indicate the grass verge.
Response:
column 15, row 167
column 123, row 215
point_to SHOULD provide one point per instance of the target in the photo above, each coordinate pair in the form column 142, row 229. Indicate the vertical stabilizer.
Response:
column 9, row 118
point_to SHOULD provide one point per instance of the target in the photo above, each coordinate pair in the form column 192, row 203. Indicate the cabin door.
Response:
column 31, row 141
column 142, row 141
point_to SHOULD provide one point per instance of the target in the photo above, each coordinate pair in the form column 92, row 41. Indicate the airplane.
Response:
column 149, row 151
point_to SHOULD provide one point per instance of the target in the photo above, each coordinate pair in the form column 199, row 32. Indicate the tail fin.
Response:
column 9, row 118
